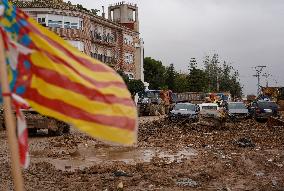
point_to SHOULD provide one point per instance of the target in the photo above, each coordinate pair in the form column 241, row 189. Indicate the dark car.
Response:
column 264, row 109
column 184, row 111
column 236, row 111
column 146, row 100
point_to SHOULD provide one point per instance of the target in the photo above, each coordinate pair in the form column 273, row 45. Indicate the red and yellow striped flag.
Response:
column 59, row 81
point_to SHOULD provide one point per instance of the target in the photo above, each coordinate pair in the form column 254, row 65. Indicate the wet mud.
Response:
column 236, row 156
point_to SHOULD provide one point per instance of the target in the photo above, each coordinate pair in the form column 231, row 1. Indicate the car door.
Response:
column 253, row 108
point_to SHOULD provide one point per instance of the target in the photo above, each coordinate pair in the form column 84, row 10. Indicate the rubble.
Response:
column 234, row 157
column 186, row 182
column 245, row 142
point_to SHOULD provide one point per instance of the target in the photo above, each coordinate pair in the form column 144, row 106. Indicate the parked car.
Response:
column 209, row 110
column 184, row 111
column 236, row 111
column 264, row 109
column 36, row 121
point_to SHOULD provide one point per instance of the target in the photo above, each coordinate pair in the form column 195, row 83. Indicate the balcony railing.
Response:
column 103, row 58
column 71, row 33
column 103, row 38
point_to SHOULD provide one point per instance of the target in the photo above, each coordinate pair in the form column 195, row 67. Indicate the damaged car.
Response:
column 236, row 111
column 184, row 112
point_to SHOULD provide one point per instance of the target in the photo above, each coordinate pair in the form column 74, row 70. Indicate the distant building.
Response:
column 114, row 41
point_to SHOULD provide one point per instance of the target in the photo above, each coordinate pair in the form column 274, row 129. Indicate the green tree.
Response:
column 171, row 75
column 235, row 88
column 154, row 73
column 212, row 71
column 214, row 77
column 135, row 86
column 197, row 77
column 221, row 78
column 123, row 75
column 181, row 83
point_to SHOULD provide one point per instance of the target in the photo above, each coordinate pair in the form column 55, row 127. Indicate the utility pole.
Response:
column 266, row 75
column 258, row 70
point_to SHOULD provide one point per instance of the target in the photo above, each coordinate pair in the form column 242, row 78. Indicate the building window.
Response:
column 67, row 25
column 128, row 40
column 55, row 24
column 103, row 34
column 41, row 21
column 60, row 21
column 74, row 25
column 130, row 75
column 81, row 25
column 128, row 58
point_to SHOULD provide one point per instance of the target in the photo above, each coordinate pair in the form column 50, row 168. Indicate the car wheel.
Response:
column 173, row 119
column 32, row 131
column 66, row 129
column 196, row 120
column 3, row 125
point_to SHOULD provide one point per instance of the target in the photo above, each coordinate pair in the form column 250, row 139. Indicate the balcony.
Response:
column 68, row 32
column 107, row 40
column 111, row 61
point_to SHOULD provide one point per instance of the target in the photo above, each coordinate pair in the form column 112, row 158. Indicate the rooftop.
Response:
column 55, row 4
column 60, row 4
column 123, row 3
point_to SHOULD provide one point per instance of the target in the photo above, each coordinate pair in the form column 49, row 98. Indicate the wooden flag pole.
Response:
column 10, row 123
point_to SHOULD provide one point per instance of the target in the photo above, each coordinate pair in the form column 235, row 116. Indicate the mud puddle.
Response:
column 87, row 156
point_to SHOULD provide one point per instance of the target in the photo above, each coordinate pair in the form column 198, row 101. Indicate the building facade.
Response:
column 114, row 40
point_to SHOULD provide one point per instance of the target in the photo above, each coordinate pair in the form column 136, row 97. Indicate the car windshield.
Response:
column 187, row 107
column 152, row 94
column 210, row 107
column 149, row 94
column 267, row 104
column 236, row 106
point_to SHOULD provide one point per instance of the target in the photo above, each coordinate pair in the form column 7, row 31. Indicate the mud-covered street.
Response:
column 242, row 156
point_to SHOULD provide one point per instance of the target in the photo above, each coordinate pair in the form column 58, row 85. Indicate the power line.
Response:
column 258, row 70
column 266, row 75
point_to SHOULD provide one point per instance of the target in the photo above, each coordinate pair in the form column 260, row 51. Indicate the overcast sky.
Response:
column 246, row 33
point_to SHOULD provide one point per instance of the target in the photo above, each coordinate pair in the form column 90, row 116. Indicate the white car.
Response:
column 209, row 110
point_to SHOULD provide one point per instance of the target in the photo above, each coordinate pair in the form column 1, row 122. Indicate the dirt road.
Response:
column 243, row 156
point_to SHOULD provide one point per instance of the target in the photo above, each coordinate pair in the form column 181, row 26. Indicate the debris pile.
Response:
column 239, row 156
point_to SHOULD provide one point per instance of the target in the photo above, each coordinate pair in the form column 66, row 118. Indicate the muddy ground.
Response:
column 242, row 156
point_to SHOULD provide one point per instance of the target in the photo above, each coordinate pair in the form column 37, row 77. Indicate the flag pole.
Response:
column 10, row 123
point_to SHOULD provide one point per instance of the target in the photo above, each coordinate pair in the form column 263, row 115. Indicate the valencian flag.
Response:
column 11, row 62
column 59, row 81
column 11, row 51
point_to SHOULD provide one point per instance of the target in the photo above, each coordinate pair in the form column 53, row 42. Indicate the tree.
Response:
column 135, row 86
column 123, row 75
column 222, row 78
column 214, row 77
column 181, row 83
column 154, row 73
column 197, row 77
column 212, row 71
column 95, row 11
column 171, row 77
column 235, row 86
